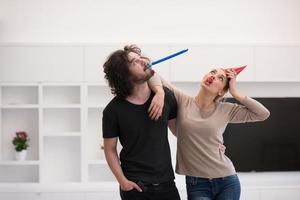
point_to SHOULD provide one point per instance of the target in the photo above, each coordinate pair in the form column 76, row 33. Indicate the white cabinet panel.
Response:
column 62, row 159
column 63, row 64
column 277, row 63
column 199, row 60
column 19, row 173
column 40, row 63
column 103, row 196
column 94, row 58
column 19, row 196
column 279, row 194
column 21, row 63
column 62, row 196
column 100, row 173
column 250, row 194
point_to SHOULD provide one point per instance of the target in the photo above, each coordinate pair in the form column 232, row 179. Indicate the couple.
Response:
column 139, row 115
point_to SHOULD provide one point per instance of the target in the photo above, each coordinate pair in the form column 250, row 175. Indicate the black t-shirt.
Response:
column 146, row 153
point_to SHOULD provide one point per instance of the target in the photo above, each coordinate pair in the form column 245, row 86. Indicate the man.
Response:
column 143, row 168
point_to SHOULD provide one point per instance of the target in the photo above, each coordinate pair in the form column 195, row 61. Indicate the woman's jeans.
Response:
column 225, row 188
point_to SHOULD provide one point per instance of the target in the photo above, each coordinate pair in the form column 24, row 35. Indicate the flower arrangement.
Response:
column 21, row 141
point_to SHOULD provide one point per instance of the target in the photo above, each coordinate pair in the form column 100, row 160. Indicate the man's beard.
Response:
column 142, row 79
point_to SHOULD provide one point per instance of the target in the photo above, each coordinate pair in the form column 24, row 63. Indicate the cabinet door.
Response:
column 250, row 194
column 199, row 60
column 94, row 58
column 19, row 196
column 41, row 63
column 21, row 63
column 62, row 64
column 279, row 194
column 277, row 63
column 63, row 196
column 103, row 196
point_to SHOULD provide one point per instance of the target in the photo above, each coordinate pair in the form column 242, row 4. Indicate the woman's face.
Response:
column 215, row 81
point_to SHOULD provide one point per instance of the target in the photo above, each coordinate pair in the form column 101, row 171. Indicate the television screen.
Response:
column 271, row 145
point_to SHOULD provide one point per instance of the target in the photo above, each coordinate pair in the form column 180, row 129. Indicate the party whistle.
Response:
column 167, row 58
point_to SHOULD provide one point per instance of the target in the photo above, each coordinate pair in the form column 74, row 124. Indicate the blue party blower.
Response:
column 167, row 58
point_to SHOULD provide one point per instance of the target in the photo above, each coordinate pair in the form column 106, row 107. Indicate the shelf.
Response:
column 62, row 159
column 100, row 173
column 61, row 95
column 14, row 162
column 19, row 173
column 94, row 120
column 61, row 106
column 62, row 134
column 19, row 106
column 14, row 120
column 97, row 106
column 97, row 162
column 61, row 120
column 98, row 96
column 19, row 95
column 93, row 146
column 94, row 139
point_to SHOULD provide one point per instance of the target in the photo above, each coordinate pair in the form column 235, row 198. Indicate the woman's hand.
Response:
column 222, row 148
column 157, row 104
column 231, row 75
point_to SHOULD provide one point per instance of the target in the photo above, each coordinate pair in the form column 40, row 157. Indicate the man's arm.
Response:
column 111, row 155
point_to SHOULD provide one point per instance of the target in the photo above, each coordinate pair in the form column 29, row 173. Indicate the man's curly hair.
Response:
column 117, row 72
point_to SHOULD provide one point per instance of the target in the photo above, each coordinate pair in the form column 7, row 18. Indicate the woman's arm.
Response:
column 157, row 80
column 157, row 103
column 250, row 111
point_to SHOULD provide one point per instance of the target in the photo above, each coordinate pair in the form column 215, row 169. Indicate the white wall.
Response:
column 67, row 40
column 171, row 21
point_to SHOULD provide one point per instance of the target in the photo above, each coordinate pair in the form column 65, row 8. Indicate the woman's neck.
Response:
column 205, row 100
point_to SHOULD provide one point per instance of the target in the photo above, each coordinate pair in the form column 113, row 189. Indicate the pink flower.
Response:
column 22, row 135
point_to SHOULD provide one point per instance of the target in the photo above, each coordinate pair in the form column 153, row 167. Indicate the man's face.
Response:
column 139, row 71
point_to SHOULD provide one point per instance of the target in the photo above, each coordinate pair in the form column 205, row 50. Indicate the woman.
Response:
column 199, row 127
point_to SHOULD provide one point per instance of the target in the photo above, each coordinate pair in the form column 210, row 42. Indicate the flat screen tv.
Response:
column 271, row 145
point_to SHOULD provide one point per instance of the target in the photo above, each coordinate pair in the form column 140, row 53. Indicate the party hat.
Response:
column 238, row 69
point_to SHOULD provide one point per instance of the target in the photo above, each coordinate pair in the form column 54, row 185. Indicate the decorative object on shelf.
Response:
column 21, row 144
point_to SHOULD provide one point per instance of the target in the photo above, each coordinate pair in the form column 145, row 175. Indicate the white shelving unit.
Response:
column 64, row 124
column 19, row 106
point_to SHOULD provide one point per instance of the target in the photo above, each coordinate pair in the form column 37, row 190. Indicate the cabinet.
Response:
column 199, row 60
column 277, row 64
column 64, row 124
column 41, row 63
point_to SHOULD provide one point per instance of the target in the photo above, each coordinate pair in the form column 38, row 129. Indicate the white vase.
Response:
column 21, row 155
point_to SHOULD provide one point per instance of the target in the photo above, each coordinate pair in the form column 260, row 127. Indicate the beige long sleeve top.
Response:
column 200, row 133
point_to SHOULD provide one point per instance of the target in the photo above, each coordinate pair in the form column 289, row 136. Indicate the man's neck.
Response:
column 140, row 94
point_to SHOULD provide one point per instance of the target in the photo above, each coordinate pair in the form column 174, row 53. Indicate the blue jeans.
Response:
column 225, row 188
